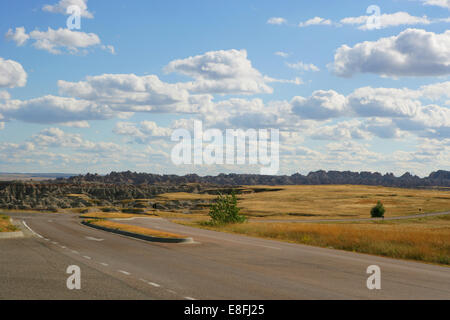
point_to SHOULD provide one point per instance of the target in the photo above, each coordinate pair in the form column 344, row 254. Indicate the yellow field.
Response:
column 340, row 201
column 134, row 229
column 185, row 196
column 425, row 239
column 5, row 224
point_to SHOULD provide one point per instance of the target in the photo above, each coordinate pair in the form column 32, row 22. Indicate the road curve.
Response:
column 217, row 266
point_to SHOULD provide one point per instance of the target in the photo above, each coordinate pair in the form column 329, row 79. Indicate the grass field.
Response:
column 5, row 224
column 340, row 201
column 134, row 229
column 425, row 239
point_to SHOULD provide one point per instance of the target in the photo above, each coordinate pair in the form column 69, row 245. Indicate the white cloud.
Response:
column 76, row 124
column 57, row 41
column 132, row 93
column 53, row 109
column 19, row 36
column 143, row 133
column 387, row 20
column 315, row 21
column 281, row 54
column 439, row 3
column 57, row 138
column 303, row 66
column 4, row 95
column 276, row 20
column 221, row 72
column 320, row 105
column 12, row 74
column 413, row 52
column 62, row 5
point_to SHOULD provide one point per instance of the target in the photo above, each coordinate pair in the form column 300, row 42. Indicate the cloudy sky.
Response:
column 345, row 93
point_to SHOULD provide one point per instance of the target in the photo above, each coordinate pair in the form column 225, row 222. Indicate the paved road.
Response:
column 217, row 266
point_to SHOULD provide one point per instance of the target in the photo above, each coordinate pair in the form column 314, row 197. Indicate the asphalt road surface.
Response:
column 216, row 266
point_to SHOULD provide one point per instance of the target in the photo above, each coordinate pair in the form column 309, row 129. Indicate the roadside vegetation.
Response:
column 425, row 239
column 225, row 211
column 6, row 225
column 134, row 229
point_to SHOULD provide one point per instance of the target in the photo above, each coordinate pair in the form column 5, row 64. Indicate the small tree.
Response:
column 225, row 210
column 378, row 210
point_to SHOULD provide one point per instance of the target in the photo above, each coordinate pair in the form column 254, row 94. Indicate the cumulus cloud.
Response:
column 12, row 74
column 413, row 52
column 276, row 20
column 387, row 20
column 438, row 3
column 282, row 54
column 303, row 66
column 19, row 36
column 142, row 132
column 57, row 41
column 54, row 109
column 221, row 72
column 321, row 105
column 132, row 93
column 4, row 95
column 62, row 5
column 315, row 22
column 57, row 138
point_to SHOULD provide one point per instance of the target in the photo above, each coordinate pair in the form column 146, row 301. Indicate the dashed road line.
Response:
column 124, row 272
column 154, row 284
column 189, row 298
column 87, row 257
column 75, row 251
column 104, row 264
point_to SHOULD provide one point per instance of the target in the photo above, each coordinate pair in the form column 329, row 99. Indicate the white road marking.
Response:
column 171, row 291
column 75, row 251
column 189, row 298
column 94, row 239
column 104, row 264
column 54, row 242
column 87, row 257
column 154, row 284
column 50, row 220
column 124, row 272
column 63, row 247
column 25, row 224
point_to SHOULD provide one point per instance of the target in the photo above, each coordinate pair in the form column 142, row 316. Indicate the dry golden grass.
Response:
column 340, row 201
column 113, row 215
column 135, row 229
column 5, row 224
column 425, row 239
column 185, row 196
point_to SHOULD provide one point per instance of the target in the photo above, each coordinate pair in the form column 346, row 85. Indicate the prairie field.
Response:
column 424, row 239
column 340, row 201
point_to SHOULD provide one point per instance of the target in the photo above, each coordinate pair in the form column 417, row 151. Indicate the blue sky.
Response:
column 343, row 97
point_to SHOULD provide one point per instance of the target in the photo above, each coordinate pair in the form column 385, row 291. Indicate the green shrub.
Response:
column 225, row 210
column 378, row 211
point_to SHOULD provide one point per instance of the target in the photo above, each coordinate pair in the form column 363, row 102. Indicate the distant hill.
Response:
column 112, row 189
column 439, row 178
column 8, row 176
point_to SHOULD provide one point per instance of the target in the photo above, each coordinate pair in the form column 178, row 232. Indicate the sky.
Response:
column 349, row 85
